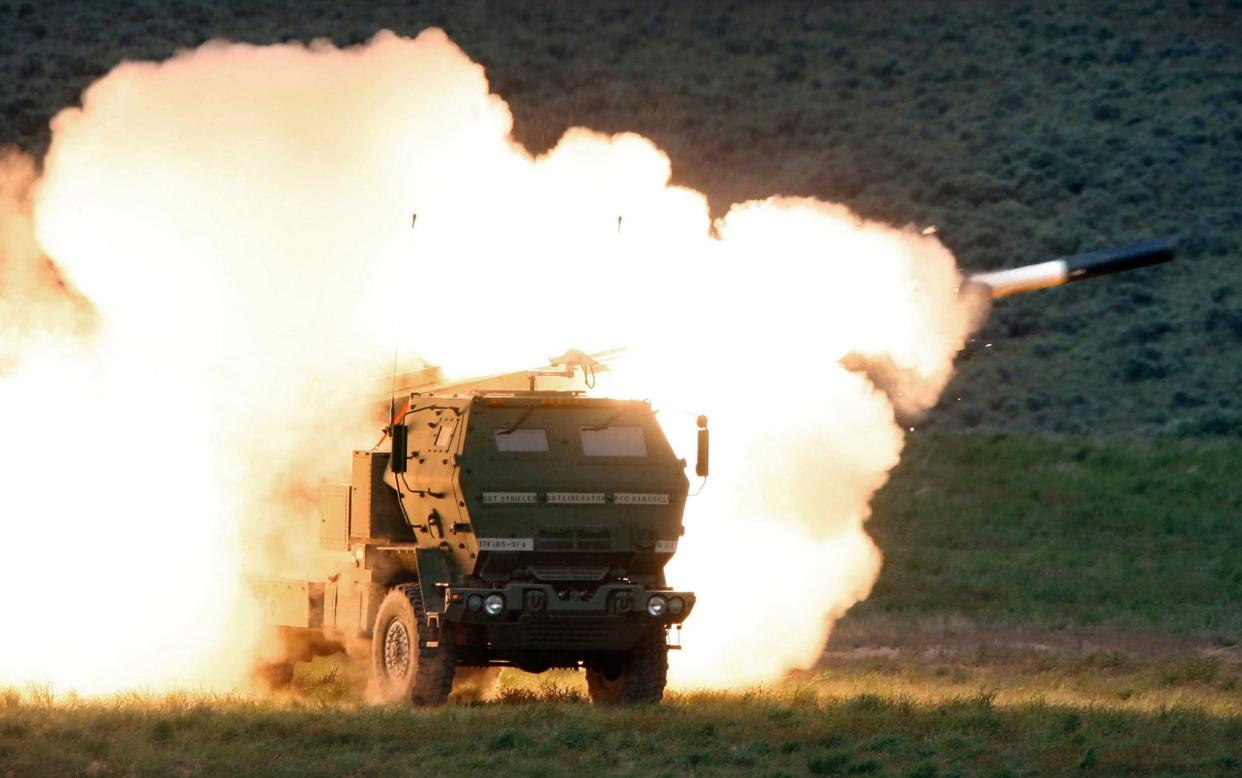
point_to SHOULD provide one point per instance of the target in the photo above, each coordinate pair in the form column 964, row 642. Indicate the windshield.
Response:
column 613, row 441
column 524, row 439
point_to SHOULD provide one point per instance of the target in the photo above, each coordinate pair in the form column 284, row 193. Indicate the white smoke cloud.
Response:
column 239, row 218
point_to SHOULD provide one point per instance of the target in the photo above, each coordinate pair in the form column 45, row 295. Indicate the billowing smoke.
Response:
column 34, row 300
column 234, row 263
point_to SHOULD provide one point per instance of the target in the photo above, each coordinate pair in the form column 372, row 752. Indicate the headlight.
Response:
column 494, row 604
column 474, row 602
column 676, row 606
column 657, row 605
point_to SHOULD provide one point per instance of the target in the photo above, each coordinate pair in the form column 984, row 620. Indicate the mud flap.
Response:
column 433, row 578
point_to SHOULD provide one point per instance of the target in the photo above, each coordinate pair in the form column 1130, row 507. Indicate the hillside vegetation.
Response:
column 1022, row 130
column 1084, row 536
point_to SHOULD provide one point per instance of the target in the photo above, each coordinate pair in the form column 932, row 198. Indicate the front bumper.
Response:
column 535, row 616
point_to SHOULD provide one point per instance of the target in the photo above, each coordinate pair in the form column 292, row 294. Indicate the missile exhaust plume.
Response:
column 230, row 244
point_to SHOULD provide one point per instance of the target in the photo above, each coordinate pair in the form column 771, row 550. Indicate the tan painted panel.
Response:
column 374, row 512
column 360, row 501
column 334, row 516
column 349, row 607
column 295, row 603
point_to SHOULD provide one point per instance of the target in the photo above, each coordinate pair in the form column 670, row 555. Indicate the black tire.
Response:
column 274, row 670
column 272, row 676
column 404, row 669
column 638, row 676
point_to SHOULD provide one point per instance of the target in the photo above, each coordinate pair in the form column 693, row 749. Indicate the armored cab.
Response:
column 503, row 527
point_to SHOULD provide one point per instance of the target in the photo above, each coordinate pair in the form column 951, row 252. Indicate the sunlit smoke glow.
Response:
column 239, row 220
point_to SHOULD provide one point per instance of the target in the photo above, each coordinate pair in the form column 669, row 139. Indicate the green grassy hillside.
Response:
column 1023, row 130
column 1051, row 533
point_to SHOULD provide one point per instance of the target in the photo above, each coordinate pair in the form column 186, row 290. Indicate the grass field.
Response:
column 1048, row 605
column 797, row 731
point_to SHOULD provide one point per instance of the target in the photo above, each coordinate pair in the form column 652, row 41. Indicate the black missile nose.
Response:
column 1143, row 253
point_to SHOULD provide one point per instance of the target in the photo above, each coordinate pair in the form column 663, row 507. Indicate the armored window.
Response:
column 613, row 442
column 522, row 439
column 444, row 435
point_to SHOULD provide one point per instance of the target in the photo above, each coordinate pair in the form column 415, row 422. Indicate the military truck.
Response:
column 505, row 521
column 513, row 521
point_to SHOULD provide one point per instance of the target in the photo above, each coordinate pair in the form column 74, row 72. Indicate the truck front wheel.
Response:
column 403, row 666
column 638, row 675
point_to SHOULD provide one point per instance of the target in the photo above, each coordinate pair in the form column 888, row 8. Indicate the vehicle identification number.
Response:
column 628, row 498
column 506, row 544
column 510, row 497
column 576, row 498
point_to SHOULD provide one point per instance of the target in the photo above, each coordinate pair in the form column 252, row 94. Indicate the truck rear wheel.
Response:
column 273, row 676
column 403, row 666
column 638, row 675
column 274, row 670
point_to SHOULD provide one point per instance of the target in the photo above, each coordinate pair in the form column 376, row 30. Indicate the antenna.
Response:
column 396, row 346
column 397, row 433
column 392, row 399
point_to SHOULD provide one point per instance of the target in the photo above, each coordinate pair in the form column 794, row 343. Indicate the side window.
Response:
column 522, row 440
column 445, row 434
column 613, row 442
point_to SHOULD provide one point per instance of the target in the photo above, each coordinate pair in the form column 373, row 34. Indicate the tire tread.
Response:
column 433, row 679
column 644, row 674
